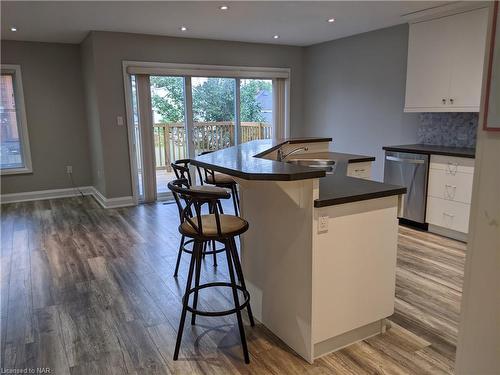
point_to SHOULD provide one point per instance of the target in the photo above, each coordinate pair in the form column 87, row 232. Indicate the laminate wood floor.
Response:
column 90, row 291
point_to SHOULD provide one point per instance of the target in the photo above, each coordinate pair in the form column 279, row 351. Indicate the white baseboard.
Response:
column 126, row 201
column 45, row 194
column 65, row 193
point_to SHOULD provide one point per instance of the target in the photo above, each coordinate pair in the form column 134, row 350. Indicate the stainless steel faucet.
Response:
column 282, row 156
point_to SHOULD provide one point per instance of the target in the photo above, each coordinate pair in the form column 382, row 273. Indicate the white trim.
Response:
column 22, row 126
column 45, row 194
column 131, row 135
column 198, row 70
column 126, row 201
column 67, row 193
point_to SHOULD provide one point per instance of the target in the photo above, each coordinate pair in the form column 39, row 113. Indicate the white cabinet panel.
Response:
column 445, row 63
column 360, row 170
column 467, row 67
column 448, row 214
column 455, row 187
column 427, row 76
column 452, row 164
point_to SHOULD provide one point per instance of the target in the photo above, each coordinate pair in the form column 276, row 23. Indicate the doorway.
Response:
column 180, row 116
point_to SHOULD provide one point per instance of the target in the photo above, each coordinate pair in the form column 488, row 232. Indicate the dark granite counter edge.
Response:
column 429, row 152
column 359, row 197
column 262, row 176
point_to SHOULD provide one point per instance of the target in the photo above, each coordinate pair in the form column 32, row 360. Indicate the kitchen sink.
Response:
column 325, row 164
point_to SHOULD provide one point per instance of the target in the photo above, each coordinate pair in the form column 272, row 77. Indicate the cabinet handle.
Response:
column 444, row 101
column 447, row 214
column 452, row 100
column 359, row 170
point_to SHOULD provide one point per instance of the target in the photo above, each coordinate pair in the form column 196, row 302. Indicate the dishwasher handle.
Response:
column 403, row 160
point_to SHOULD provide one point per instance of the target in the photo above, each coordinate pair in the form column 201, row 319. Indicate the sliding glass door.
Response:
column 256, row 109
column 182, row 116
column 169, row 127
column 213, row 113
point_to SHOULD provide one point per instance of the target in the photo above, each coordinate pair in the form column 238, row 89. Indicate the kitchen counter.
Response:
column 434, row 150
column 312, row 233
column 247, row 161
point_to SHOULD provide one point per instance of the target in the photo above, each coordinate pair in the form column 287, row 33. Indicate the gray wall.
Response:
column 91, row 94
column 355, row 90
column 53, row 94
column 110, row 49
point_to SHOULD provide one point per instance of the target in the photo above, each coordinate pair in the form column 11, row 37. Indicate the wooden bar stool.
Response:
column 202, row 228
column 222, row 180
column 181, row 170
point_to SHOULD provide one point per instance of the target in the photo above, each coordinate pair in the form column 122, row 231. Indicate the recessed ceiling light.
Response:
column 276, row 36
column 330, row 20
column 223, row 7
column 183, row 28
column 13, row 28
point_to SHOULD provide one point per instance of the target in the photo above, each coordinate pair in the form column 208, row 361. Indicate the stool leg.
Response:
column 219, row 204
column 236, row 301
column 215, row 254
column 234, row 193
column 185, row 301
column 197, row 256
column 179, row 256
column 239, row 272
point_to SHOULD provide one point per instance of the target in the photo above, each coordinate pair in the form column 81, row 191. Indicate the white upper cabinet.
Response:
column 445, row 63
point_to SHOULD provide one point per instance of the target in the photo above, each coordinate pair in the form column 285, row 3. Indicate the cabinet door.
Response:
column 428, row 67
column 468, row 41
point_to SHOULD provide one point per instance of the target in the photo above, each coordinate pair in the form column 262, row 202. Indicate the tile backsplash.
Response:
column 448, row 129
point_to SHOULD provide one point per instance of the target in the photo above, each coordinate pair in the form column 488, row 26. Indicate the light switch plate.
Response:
column 323, row 224
column 119, row 120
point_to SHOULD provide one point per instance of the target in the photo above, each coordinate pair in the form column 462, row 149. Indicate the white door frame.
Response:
column 187, row 71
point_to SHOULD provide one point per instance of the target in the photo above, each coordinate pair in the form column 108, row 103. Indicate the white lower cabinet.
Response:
column 449, row 193
column 360, row 170
column 448, row 214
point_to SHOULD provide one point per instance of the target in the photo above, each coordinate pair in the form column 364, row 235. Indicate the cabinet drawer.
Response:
column 454, row 187
column 360, row 170
column 452, row 164
column 448, row 214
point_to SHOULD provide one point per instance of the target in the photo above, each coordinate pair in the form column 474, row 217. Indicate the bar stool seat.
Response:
column 219, row 178
column 230, row 226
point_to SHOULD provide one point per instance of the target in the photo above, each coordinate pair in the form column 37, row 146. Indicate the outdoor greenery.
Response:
column 213, row 99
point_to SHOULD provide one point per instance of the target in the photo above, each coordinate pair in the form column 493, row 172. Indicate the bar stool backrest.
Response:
column 206, row 172
column 191, row 199
column 181, row 170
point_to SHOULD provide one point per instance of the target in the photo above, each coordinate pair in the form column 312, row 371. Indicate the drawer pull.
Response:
column 452, row 168
column 359, row 170
column 449, row 215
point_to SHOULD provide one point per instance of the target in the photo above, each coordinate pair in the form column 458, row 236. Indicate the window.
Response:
column 14, row 144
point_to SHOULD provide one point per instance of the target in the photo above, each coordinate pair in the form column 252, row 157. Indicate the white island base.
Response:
column 318, row 291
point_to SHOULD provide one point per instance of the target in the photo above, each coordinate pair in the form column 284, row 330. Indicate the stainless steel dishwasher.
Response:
column 411, row 171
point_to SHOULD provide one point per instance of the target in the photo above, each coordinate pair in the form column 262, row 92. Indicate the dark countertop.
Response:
column 244, row 161
column 434, row 150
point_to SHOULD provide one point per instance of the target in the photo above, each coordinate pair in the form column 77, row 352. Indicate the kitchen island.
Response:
column 320, row 256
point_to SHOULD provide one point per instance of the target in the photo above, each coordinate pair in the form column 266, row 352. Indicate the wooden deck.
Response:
column 90, row 291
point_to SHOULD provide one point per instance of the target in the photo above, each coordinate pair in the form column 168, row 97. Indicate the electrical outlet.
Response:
column 69, row 169
column 323, row 224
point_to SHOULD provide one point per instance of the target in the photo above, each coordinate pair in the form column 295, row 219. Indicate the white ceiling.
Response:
column 297, row 23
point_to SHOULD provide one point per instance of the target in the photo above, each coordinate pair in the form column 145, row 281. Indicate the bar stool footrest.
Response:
column 243, row 305
column 205, row 252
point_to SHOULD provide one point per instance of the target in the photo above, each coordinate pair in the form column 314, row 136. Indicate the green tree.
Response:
column 251, row 109
column 213, row 100
column 167, row 97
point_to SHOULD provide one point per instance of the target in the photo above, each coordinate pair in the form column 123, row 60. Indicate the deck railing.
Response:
column 170, row 138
